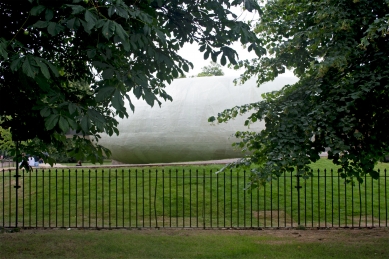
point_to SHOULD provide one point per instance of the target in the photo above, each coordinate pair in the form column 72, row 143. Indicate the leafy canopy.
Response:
column 68, row 66
column 339, row 50
column 214, row 69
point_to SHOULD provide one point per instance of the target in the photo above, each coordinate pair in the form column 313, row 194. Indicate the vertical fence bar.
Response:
column 183, row 198
column 136, row 197
column 298, row 199
column 197, row 198
column 109, row 199
column 210, row 197
column 217, row 200
column 63, row 198
column 332, row 198
column 10, row 200
column 116, row 197
column 318, row 195
column 203, row 214
column 305, row 199
column 237, row 194
column 372, row 203
column 163, row 198
column 339, row 200
column 102, row 198
column 312, row 207
column 23, row 197
column 325, row 198
column 291, row 200
column 264, row 206
column 271, row 204
column 49, row 197
column 3, row 205
column 170, row 197
column 43, row 198
column 258, row 207
column 244, row 199
column 284, row 202
column 278, row 201
column 36, row 200
column 231, row 214
column 176, row 198
column 56, row 198
column 96, row 206
column 76, row 180
column 365, row 202
column 89, row 198
column 386, row 202
column 150, row 213
column 352, row 205
column 123, row 224
column 82, row 199
column 379, row 199
column 129, row 199
column 224, row 198
column 190, row 197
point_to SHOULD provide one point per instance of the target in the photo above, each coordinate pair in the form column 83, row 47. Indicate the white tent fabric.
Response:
column 179, row 131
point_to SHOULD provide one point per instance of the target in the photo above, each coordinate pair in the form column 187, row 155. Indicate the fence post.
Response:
column 298, row 187
column 17, row 186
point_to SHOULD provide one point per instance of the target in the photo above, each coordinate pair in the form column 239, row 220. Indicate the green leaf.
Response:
column 137, row 91
column 49, row 14
column 91, row 20
column 43, row 67
column 72, row 123
column 185, row 67
column 91, row 53
column 105, row 93
column 3, row 48
column 72, row 108
column 36, row 10
column 108, row 29
column 149, row 97
column 15, row 65
column 223, row 60
column 51, row 121
column 117, row 100
column 206, row 54
column 40, row 24
column 76, row 8
column 121, row 32
column 45, row 112
column 175, row 73
column 85, row 124
column 53, row 69
column 54, row 28
column 108, row 73
column 28, row 69
column 42, row 83
column 63, row 124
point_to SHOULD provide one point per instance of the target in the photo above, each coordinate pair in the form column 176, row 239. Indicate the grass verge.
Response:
column 183, row 243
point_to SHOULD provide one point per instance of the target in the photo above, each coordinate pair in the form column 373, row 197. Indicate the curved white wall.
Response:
column 179, row 130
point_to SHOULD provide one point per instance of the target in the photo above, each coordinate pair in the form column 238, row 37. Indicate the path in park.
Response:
column 209, row 162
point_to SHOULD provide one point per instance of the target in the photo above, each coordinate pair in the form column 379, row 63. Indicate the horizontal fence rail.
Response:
column 71, row 198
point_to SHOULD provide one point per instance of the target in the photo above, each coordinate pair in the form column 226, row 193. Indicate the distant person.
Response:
column 41, row 161
column 31, row 161
column 79, row 163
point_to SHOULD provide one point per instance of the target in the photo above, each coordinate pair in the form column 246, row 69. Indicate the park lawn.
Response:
column 175, row 194
column 185, row 243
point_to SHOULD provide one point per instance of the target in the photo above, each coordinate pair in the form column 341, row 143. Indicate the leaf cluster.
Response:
column 68, row 66
column 339, row 52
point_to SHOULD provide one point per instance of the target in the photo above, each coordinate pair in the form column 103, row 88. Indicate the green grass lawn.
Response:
column 183, row 243
column 189, row 196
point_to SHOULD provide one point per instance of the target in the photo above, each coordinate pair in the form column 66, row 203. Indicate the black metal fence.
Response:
column 187, row 199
